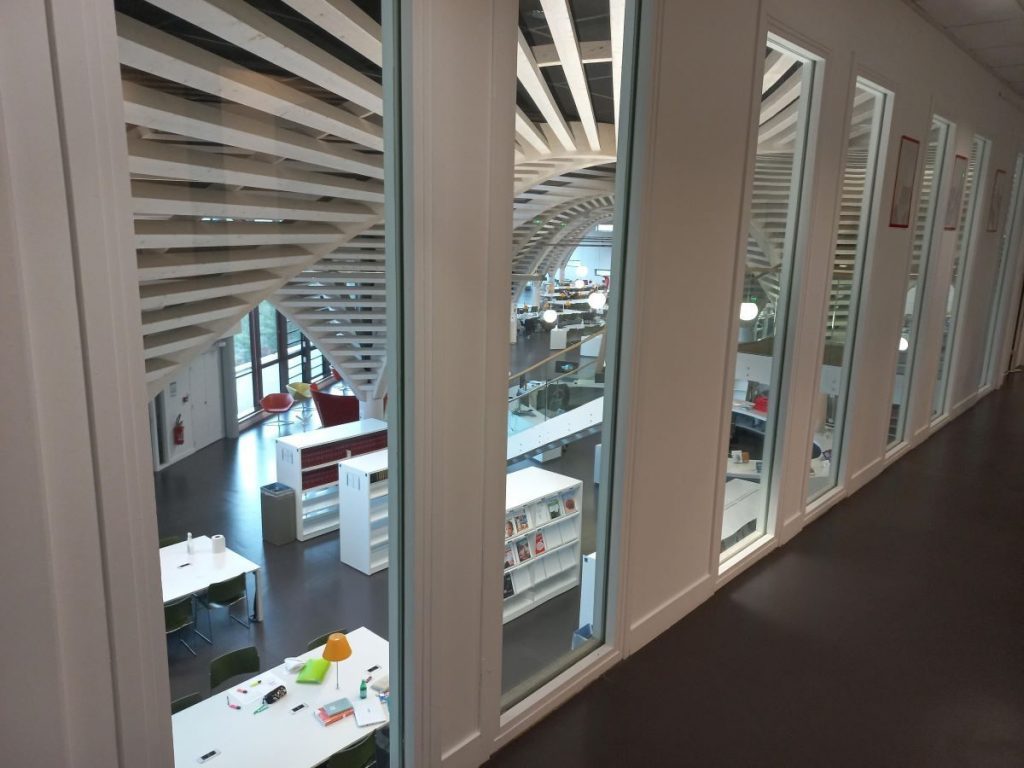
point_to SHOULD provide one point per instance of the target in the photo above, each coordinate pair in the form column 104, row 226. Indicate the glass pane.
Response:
column 852, row 239
column 256, row 132
column 1011, row 218
column 965, row 227
column 771, row 243
column 565, row 268
column 924, row 227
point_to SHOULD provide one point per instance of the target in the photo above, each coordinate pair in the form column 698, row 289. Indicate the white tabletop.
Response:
column 330, row 434
column 204, row 567
column 276, row 737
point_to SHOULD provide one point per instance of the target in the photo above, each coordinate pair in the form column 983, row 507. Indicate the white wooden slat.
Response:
column 527, row 131
column 156, row 199
column 149, row 158
column 563, row 33
column 254, row 31
column 163, row 266
column 533, row 81
column 185, row 233
column 163, row 112
column 168, row 293
column 147, row 49
column 347, row 22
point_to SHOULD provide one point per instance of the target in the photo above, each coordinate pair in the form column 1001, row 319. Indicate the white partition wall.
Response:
column 71, row 304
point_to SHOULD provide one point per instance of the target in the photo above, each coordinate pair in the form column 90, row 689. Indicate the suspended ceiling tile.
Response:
column 956, row 13
column 990, row 34
column 1001, row 55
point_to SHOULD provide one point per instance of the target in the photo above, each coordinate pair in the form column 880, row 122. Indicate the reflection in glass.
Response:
column 565, row 276
column 924, row 226
column 1010, row 229
column 965, row 226
column 771, row 242
column 851, row 246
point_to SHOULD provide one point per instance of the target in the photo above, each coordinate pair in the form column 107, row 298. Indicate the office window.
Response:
column 1010, row 233
column 925, row 227
column 566, row 293
column 256, row 138
column 853, row 239
column 762, row 305
column 965, row 223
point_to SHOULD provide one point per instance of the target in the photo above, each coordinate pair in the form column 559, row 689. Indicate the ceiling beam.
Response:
column 563, row 32
column 161, row 160
column 254, row 31
column 528, row 133
column 163, row 112
column 617, row 20
column 147, row 49
column 347, row 22
column 591, row 52
column 533, row 81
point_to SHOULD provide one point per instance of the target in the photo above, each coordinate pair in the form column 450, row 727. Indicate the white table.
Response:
column 277, row 736
column 182, row 574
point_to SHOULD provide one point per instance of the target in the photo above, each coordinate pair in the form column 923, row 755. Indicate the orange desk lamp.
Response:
column 337, row 649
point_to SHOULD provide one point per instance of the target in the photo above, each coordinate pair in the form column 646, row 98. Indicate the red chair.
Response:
column 278, row 402
column 335, row 409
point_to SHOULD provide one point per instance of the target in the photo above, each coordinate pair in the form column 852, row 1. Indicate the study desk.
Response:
column 182, row 574
column 277, row 737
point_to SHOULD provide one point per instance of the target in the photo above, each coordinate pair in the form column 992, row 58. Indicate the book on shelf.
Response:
column 510, row 556
column 510, row 528
column 569, row 502
column 334, row 711
column 507, row 589
column 554, row 508
column 523, row 550
column 538, row 543
column 522, row 520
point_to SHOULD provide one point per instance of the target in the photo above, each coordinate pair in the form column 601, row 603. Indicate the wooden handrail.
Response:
column 559, row 353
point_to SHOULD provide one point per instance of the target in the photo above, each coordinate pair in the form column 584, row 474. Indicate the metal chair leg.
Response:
column 195, row 622
column 189, row 647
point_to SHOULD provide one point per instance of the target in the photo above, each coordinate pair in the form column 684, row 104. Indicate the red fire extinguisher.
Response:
column 179, row 431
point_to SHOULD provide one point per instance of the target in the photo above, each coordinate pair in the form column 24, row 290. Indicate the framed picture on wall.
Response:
column 956, row 191
column 903, row 187
column 994, row 220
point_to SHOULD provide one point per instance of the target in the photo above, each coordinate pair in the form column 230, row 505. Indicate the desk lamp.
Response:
column 337, row 649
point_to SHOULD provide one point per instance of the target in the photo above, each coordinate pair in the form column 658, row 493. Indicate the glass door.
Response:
column 853, row 241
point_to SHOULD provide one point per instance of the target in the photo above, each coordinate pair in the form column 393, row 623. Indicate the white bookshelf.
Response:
column 308, row 463
column 363, row 511
column 532, row 496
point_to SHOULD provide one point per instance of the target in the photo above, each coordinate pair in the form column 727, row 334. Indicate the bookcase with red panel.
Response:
column 308, row 463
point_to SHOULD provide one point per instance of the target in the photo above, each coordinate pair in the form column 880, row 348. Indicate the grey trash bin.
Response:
column 277, row 505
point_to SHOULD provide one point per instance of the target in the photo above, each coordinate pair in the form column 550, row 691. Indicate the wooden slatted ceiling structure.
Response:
column 255, row 142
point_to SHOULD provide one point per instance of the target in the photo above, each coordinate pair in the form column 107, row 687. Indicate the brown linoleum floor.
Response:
column 890, row 632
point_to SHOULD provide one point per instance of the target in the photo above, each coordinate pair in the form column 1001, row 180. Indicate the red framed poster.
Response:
column 903, row 186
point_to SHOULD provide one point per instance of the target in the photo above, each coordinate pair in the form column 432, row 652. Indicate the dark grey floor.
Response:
column 890, row 632
column 306, row 590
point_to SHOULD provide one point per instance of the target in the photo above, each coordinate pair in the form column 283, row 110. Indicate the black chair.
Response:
column 180, row 615
column 244, row 661
column 166, row 541
column 185, row 702
column 224, row 594
column 322, row 640
column 362, row 754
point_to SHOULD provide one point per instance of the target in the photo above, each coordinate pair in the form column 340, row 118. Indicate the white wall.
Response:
column 692, row 175
column 593, row 257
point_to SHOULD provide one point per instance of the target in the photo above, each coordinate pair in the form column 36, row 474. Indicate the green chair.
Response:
column 362, row 754
column 180, row 615
column 244, row 661
column 224, row 594
column 166, row 541
column 322, row 640
column 184, row 702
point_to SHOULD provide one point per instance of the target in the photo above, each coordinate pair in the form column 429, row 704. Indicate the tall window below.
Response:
column 966, row 173
column 853, row 238
column 924, row 228
column 771, row 244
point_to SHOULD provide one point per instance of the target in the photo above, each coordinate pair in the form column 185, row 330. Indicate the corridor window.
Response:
column 925, row 225
column 853, row 241
column 965, row 224
column 762, row 306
